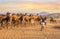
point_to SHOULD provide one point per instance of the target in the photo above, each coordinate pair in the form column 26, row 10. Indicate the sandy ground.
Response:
column 51, row 31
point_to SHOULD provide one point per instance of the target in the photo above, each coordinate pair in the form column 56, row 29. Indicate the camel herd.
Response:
column 15, row 19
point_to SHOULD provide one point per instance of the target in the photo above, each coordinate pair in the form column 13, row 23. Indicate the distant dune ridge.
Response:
column 55, row 15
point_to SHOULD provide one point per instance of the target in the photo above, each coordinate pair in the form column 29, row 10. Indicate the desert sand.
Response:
column 51, row 31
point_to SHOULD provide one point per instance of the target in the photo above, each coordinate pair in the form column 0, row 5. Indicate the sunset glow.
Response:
column 31, row 7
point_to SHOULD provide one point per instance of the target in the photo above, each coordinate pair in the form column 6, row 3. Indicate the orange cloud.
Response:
column 31, row 7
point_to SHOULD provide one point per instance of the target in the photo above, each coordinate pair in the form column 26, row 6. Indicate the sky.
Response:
column 16, row 1
column 32, row 6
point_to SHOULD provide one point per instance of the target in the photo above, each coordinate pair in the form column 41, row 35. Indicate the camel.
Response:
column 26, row 19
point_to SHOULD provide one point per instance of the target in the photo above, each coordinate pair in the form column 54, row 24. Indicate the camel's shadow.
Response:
column 56, row 27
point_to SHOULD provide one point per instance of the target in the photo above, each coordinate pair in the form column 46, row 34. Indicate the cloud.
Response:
column 30, row 5
column 42, row 0
column 19, row 1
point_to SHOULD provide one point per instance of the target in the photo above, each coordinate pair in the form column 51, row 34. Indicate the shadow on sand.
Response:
column 56, row 27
